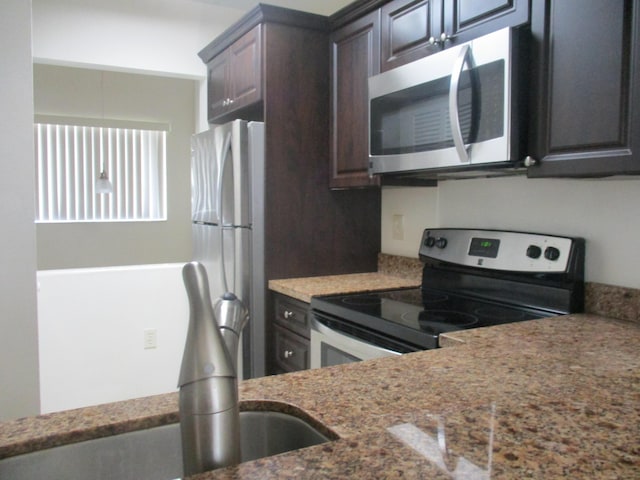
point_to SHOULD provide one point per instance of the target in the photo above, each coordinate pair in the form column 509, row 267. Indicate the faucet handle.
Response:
column 231, row 313
column 232, row 317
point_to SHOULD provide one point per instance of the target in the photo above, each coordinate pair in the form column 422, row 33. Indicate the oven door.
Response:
column 330, row 346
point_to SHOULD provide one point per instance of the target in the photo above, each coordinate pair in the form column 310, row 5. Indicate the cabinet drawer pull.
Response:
column 289, row 314
column 288, row 353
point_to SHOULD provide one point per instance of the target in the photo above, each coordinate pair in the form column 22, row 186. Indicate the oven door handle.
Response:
column 336, row 335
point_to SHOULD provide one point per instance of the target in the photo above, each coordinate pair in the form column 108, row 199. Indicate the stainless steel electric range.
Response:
column 470, row 279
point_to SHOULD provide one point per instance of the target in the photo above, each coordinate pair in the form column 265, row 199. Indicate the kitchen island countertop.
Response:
column 550, row 398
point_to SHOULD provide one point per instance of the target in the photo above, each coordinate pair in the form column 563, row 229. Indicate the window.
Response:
column 69, row 159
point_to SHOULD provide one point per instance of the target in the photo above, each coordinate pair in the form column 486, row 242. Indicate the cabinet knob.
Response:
column 288, row 353
column 444, row 37
column 530, row 161
column 289, row 314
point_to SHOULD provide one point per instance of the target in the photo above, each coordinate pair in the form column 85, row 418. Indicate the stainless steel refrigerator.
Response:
column 227, row 198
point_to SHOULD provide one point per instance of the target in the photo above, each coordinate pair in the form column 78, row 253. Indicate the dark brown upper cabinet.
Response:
column 355, row 54
column 464, row 20
column 406, row 29
column 235, row 77
column 412, row 29
column 586, row 90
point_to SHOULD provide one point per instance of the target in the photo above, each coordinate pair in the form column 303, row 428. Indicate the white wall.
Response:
column 18, row 334
column 92, row 326
column 603, row 211
column 160, row 36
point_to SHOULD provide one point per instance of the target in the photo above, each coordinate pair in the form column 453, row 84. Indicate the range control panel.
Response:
column 498, row 250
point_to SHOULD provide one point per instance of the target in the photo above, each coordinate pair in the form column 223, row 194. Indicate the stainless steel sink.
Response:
column 155, row 453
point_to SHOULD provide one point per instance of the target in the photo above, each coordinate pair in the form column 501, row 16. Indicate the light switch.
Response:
column 150, row 338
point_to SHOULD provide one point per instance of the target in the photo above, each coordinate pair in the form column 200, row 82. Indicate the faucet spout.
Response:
column 209, row 412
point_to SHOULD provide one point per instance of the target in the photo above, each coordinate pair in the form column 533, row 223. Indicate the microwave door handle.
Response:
column 454, row 113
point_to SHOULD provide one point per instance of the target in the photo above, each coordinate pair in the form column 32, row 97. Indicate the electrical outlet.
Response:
column 150, row 338
column 397, row 227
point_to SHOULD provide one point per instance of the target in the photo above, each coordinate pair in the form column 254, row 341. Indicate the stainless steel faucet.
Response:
column 209, row 413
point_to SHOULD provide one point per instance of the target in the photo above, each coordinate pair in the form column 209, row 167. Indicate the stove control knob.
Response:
column 429, row 242
column 551, row 253
column 534, row 251
column 441, row 242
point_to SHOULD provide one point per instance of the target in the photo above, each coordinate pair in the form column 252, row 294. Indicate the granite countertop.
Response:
column 305, row 288
column 550, row 398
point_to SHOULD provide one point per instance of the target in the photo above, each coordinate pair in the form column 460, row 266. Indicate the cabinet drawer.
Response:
column 292, row 314
column 291, row 350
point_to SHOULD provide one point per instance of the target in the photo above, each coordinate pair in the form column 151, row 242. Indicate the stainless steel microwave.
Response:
column 455, row 110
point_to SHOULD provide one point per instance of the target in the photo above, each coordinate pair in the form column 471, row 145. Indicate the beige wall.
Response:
column 77, row 92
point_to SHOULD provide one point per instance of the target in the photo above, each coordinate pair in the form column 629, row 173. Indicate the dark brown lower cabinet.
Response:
column 291, row 351
column 290, row 332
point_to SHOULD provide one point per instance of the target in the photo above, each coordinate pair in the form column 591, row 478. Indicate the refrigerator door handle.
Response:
column 224, row 156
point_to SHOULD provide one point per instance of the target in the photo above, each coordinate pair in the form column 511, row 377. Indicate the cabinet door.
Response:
column 235, row 79
column 587, row 59
column 291, row 351
column 355, row 56
column 217, row 86
column 405, row 29
column 245, row 57
column 465, row 20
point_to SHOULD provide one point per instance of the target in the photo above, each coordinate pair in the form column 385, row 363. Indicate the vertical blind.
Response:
column 69, row 159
